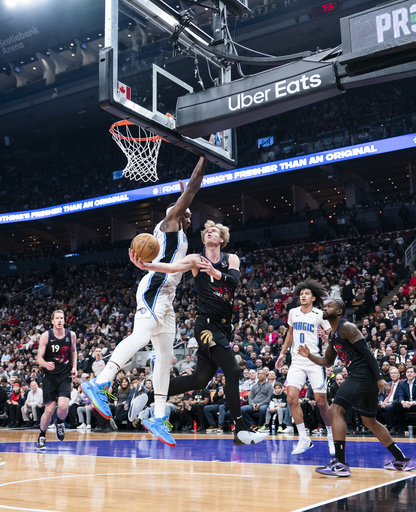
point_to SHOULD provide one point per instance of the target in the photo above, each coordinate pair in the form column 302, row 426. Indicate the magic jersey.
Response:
column 157, row 286
column 305, row 326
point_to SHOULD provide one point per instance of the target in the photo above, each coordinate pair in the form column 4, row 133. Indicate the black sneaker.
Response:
column 41, row 443
column 60, row 431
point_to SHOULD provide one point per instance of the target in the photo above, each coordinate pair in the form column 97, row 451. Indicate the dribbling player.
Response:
column 304, row 322
column 155, row 317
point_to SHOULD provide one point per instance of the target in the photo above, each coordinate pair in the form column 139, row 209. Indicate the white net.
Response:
column 140, row 148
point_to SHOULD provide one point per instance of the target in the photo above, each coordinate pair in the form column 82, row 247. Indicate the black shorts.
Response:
column 54, row 386
column 210, row 332
column 360, row 392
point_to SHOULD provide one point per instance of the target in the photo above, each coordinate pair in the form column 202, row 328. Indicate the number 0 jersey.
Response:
column 305, row 326
column 59, row 351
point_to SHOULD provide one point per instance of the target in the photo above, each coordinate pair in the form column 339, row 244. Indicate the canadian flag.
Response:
column 123, row 90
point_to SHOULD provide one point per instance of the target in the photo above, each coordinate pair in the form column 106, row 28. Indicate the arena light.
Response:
column 17, row 4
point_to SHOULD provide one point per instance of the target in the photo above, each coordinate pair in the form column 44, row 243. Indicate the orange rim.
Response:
column 124, row 122
column 153, row 138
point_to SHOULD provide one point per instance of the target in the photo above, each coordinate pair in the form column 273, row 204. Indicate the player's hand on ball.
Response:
column 303, row 350
column 137, row 261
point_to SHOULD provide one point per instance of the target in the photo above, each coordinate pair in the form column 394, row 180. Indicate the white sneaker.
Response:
column 303, row 444
column 247, row 437
column 82, row 426
column 113, row 424
column 52, row 427
column 289, row 430
column 331, row 445
column 88, row 427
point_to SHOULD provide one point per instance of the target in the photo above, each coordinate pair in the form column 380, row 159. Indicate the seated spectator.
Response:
column 188, row 363
column 311, row 415
column 15, row 404
column 276, row 409
column 403, row 355
column 213, row 408
column 385, row 371
column 259, row 398
column 33, row 405
column 137, row 400
column 388, row 403
column 271, row 336
column 238, row 355
column 120, row 402
column 407, row 397
column 4, row 406
column 402, row 369
column 194, row 408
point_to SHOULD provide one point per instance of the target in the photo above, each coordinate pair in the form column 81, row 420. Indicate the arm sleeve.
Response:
column 363, row 349
column 231, row 278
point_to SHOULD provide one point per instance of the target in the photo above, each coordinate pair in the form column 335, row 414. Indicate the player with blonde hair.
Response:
column 216, row 276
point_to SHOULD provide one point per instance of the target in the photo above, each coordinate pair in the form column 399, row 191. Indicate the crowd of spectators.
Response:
column 99, row 303
column 84, row 168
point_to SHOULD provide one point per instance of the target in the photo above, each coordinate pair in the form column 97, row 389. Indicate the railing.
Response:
column 40, row 289
column 409, row 254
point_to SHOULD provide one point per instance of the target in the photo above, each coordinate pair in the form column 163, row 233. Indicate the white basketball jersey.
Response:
column 305, row 326
column 157, row 286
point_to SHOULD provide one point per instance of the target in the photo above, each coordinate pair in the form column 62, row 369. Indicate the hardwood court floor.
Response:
column 119, row 471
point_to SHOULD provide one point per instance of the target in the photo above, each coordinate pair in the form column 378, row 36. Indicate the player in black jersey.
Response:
column 57, row 356
column 216, row 276
column 360, row 389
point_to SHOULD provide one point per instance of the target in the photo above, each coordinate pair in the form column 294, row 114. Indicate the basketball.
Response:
column 145, row 246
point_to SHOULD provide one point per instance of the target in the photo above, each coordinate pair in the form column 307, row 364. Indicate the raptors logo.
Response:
column 206, row 337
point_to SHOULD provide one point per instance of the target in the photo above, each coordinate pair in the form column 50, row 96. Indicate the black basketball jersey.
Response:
column 59, row 351
column 215, row 298
column 347, row 353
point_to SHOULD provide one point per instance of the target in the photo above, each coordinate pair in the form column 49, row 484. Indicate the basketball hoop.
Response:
column 141, row 151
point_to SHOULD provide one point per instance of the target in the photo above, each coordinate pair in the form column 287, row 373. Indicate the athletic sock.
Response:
column 160, row 406
column 396, row 452
column 239, row 424
column 42, row 433
column 340, row 450
column 328, row 431
column 301, row 430
column 108, row 373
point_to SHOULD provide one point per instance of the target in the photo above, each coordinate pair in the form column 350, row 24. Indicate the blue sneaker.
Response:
column 160, row 427
column 97, row 394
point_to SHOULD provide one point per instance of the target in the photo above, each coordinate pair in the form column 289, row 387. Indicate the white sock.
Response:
column 329, row 431
column 160, row 406
column 108, row 373
column 302, row 431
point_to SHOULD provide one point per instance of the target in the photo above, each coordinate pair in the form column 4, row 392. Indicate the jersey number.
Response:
column 302, row 337
column 55, row 348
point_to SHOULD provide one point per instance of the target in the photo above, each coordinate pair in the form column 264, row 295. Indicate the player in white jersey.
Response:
column 304, row 324
column 155, row 317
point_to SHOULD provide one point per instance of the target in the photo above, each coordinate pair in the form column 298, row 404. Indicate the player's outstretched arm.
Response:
column 187, row 263
column 327, row 360
column 188, row 193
